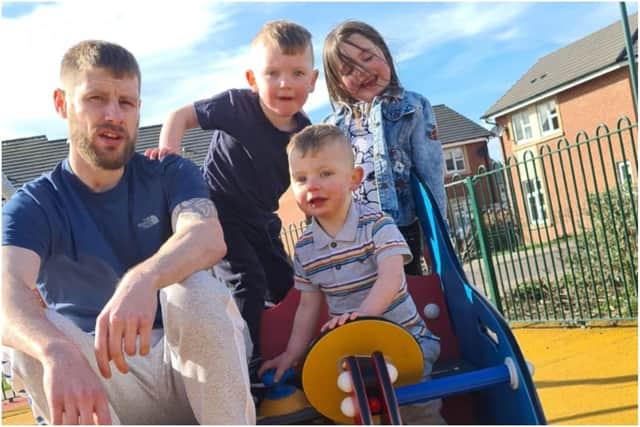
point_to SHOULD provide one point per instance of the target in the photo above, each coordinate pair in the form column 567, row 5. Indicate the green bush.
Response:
column 600, row 280
column 605, row 259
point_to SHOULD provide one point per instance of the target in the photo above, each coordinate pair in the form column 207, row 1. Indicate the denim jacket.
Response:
column 405, row 138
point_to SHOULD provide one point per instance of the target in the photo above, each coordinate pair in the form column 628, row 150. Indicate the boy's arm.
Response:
column 385, row 288
column 304, row 327
column 304, row 324
column 174, row 128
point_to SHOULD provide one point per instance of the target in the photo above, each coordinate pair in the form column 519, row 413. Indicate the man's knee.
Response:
column 200, row 300
column 199, row 291
column 203, row 306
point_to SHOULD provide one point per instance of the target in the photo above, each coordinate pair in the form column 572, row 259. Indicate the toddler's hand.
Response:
column 339, row 320
column 281, row 362
column 158, row 153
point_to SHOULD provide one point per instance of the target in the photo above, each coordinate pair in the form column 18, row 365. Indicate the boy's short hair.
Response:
column 98, row 54
column 314, row 137
column 290, row 37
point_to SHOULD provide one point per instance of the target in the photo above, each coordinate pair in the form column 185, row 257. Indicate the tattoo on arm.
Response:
column 194, row 208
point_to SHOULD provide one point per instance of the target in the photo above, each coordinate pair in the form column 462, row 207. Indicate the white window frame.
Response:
column 520, row 126
column 536, row 205
column 549, row 112
column 455, row 155
column 624, row 171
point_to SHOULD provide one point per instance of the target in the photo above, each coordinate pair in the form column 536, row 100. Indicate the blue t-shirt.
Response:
column 246, row 166
column 86, row 240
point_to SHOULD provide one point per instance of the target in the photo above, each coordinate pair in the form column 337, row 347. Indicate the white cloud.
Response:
column 508, row 34
column 160, row 37
column 185, row 54
column 415, row 34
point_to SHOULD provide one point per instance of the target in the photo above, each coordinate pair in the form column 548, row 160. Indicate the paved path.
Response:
column 521, row 266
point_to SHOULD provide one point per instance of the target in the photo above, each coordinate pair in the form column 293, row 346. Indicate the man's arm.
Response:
column 197, row 244
column 70, row 385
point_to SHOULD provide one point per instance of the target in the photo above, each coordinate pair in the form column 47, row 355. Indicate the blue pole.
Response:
column 455, row 384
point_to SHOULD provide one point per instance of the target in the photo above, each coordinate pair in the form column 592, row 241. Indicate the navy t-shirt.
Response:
column 246, row 166
column 86, row 240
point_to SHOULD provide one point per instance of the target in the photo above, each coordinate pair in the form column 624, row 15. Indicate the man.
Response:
column 99, row 236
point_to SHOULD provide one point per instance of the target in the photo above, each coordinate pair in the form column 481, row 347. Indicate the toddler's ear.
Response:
column 251, row 79
column 356, row 177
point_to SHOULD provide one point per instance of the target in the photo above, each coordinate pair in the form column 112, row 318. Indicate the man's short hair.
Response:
column 314, row 137
column 90, row 54
column 290, row 37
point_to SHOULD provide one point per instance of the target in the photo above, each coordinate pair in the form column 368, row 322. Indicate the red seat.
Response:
column 277, row 323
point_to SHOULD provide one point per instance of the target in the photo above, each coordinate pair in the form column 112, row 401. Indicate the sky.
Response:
column 464, row 55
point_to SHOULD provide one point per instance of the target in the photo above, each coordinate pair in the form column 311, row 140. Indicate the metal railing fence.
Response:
column 552, row 234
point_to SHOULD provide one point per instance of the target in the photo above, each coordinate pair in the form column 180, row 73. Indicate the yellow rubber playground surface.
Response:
column 584, row 376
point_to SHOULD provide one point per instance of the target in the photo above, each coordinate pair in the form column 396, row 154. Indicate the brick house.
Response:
column 569, row 91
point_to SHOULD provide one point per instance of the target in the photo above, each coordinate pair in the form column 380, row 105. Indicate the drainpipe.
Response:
column 497, row 132
column 631, row 59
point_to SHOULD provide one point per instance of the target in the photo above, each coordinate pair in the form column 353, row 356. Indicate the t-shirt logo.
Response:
column 148, row 222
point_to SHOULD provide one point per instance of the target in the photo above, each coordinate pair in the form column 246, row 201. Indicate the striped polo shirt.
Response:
column 345, row 267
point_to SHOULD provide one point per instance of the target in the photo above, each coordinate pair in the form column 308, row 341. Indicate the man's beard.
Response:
column 104, row 159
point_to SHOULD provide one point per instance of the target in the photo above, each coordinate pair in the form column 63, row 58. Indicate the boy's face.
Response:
column 323, row 181
column 283, row 82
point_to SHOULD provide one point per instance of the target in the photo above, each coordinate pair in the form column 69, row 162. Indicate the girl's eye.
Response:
column 325, row 174
column 346, row 70
column 300, row 179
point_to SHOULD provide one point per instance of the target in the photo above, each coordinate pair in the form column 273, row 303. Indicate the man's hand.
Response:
column 340, row 320
column 74, row 392
column 129, row 313
column 159, row 153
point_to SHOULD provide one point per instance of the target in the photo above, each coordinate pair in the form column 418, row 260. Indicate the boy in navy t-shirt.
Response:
column 246, row 167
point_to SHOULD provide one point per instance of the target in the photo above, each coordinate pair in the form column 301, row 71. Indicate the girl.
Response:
column 392, row 130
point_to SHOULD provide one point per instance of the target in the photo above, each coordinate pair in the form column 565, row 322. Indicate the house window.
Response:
column 624, row 171
column 454, row 160
column 522, row 127
column 534, row 197
column 548, row 117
